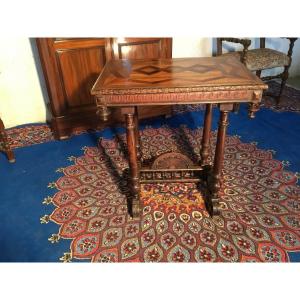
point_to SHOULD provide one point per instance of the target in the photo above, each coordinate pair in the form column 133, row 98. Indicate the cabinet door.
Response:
column 71, row 66
column 143, row 48
column 79, row 63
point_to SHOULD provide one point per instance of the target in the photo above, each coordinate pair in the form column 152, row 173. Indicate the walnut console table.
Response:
column 216, row 80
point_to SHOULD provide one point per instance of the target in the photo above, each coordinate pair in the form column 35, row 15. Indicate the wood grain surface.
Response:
column 213, row 72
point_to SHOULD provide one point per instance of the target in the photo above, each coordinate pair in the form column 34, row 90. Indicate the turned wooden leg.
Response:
column 215, row 182
column 137, row 136
column 133, row 163
column 5, row 145
column 205, row 143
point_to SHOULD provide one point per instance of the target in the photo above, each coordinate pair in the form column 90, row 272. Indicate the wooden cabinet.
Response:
column 71, row 67
column 141, row 48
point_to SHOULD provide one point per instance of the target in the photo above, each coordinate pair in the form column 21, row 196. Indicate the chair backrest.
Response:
column 246, row 43
column 243, row 41
column 262, row 42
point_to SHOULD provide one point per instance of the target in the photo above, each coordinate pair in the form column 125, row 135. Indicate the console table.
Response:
column 129, row 84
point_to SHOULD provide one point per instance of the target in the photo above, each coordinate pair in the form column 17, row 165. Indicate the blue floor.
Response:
column 23, row 185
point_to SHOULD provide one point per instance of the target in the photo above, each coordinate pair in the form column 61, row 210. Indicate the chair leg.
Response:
column 4, row 141
column 284, row 77
column 236, row 107
column 258, row 73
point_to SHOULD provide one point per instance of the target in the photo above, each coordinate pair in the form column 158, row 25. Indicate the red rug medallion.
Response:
column 260, row 205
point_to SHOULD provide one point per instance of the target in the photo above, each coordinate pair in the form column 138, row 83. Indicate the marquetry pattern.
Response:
column 203, row 69
column 175, row 76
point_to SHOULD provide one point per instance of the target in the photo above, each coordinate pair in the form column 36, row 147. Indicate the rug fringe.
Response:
column 45, row 219
column 55, row 237
column 67, row 257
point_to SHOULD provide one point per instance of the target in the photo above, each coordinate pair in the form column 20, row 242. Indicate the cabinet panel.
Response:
column 149, row 50
column 79, row 68
column 141, row 48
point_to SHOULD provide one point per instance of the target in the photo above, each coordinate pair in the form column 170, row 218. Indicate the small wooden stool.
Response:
column 4, row 145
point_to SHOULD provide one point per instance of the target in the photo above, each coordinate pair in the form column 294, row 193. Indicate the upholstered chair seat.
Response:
column 262, row 58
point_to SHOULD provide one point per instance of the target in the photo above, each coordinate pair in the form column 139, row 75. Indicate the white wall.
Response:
column 191, row 47
column 21, row 95
column 22, row 88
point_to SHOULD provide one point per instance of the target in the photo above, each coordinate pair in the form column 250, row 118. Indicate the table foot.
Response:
column 10, row 155
column 212, row 206
column 12, row 160
column 136, row 208
column 215, row 206
column 212, row 196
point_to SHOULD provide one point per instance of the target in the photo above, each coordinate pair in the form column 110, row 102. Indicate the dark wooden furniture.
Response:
column 71, row 66
column 130, row 84
column 4, row 144
column 261, row 59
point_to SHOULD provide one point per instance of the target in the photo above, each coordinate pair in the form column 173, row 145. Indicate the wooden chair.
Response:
column 262, row 58
column 4, row 145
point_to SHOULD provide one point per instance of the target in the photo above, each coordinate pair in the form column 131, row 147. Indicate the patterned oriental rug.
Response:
column 87, row 196
column 289, row 101
column 260, row 206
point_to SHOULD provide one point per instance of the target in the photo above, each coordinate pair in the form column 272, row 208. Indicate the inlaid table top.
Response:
column 177, row 75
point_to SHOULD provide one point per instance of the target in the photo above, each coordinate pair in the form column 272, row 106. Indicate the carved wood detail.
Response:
column 170, row 175
column 176, row 97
